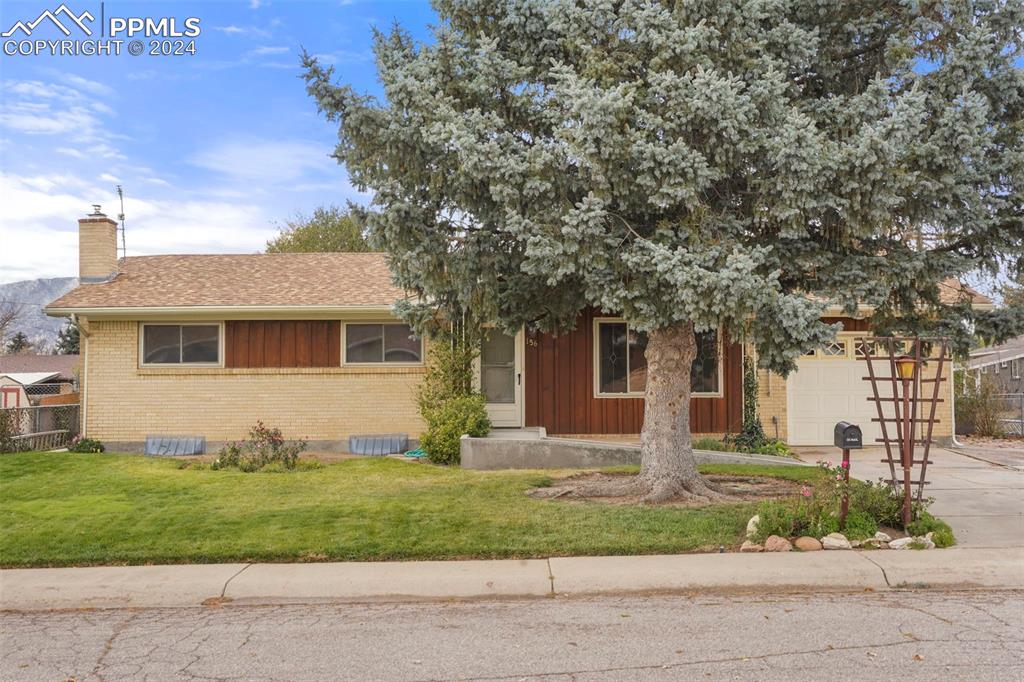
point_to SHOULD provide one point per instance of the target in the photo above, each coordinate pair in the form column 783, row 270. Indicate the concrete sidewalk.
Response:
column 192, row 585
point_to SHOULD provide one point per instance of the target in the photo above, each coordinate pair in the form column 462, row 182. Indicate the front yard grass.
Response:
column 63, row 509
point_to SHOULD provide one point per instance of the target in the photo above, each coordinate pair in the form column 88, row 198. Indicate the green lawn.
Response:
column 59, row 509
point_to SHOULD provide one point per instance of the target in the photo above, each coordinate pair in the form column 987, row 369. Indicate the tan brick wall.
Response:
column 771, row 403
column 125, row 403
column 97, row 248
column 943, row 411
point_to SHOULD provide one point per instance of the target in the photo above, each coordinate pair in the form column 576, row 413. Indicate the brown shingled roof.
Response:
column 951, row 291
column 273, row 280
column 31, row 364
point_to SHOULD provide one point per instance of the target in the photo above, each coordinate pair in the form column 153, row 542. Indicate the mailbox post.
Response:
column 846, row 437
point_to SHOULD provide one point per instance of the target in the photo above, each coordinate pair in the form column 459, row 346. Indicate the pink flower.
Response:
column 805, row 491
column 846, row 465
column 839, row 477
column 829, row 464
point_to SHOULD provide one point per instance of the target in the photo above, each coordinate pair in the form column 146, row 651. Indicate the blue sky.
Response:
column 212, row 149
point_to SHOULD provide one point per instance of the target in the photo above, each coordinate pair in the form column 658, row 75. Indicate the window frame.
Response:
column 383, row 363
column 219, row 324
column 595, row 352
column 1015, row 368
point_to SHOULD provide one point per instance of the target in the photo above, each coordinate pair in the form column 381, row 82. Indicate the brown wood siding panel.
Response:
column 560, row 389
column 303, row 345
column 284, row 343
column 272, row 344
column 319, row 343
column 256, row 350
column 288, row 345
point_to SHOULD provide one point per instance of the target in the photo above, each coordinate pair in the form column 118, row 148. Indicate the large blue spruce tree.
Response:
column 693, row 164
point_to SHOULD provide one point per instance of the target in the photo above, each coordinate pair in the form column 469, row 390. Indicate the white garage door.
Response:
column 827, row 388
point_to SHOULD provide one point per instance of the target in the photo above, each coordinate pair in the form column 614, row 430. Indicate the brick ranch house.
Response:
column 204, row 345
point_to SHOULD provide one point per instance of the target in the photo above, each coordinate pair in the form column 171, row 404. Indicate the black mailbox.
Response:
column 848, row 436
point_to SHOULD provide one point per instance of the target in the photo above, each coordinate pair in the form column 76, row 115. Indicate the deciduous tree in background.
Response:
column 692, row 165
column 328, row 229
column 10, row 313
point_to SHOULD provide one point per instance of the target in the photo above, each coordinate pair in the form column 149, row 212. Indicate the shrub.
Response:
column 265, row 446
column 878, row 501
column 711, row 444
column 776, row 518
column 771, row 446
column 449, row 374
column 859, row 525
column 751, row 435
column 979, row 408
column 816, row 511
column 942, row 534
column 9, row 429
column 447, row 424
column 79, row 444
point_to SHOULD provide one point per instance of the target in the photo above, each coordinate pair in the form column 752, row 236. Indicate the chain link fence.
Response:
column 1011, row 413
column 38, row 416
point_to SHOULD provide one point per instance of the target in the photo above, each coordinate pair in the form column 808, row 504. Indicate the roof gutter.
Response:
column 221, row 312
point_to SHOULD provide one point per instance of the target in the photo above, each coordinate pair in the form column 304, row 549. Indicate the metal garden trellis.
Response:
column 902, row 362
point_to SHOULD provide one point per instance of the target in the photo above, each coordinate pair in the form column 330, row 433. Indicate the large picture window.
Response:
column 622, row 367
column 383, row 343
column 181, row 344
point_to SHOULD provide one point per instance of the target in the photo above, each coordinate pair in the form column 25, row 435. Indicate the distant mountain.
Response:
column 33, row 294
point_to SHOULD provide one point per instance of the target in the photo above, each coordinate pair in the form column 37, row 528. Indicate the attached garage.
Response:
column 828, row 387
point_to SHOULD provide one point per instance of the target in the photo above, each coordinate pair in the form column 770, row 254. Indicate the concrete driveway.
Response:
column 982, row 500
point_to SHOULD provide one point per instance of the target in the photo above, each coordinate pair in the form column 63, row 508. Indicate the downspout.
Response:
column 83, row 335
column 952, row 407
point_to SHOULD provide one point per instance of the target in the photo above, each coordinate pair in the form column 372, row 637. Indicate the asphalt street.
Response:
column 906, row 635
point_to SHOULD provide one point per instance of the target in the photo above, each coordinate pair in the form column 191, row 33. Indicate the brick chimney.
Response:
column 97, row 247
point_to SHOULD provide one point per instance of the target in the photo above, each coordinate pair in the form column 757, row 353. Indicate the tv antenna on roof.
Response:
column 120, row 216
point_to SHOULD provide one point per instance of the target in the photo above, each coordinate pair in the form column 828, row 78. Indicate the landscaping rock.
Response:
column 750, row 546
column 807, row 544
column 752, row 525
column 882, row 537
column 835, row 541
column 904, row 543
column 774, row 543
column 875, row 543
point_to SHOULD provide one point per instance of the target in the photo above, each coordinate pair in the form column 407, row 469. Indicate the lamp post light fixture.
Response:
column 906, row 368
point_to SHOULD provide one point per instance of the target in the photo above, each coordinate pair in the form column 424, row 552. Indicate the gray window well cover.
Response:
column 378, row 445
column 172, row 446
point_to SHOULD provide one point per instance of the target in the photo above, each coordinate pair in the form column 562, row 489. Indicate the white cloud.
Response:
column 256, row 4
column 268, row 50
column 265, row 163
column 73, row 112
column 40, row 231
column 95, row 87
column 233, row 29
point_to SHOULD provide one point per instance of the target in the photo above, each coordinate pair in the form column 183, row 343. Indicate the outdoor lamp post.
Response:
column 906, row 367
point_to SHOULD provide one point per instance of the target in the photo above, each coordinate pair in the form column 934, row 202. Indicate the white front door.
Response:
column 501, row 377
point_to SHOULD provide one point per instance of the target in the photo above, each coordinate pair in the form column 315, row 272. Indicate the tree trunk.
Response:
column 667, row 466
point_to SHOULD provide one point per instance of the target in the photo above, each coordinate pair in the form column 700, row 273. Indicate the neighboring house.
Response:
column 65, row 368
column 205, row 345
column 30, row 379
column 1004, row 364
